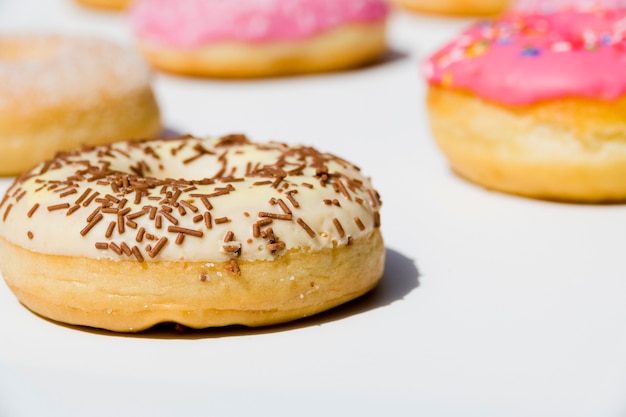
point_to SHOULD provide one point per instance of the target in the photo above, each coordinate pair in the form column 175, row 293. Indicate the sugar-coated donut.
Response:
column 105, row 4
column 535, row 103
column 58, row 92
column 201, row 232
column 454, row 7
column 259, row 38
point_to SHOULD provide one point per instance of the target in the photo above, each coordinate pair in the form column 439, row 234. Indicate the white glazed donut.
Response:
column 253, row 234
column 59, row 92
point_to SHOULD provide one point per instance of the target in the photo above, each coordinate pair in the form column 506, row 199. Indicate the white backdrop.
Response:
column 491, row 305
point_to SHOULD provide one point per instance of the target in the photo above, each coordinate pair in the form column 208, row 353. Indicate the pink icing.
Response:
column 521, row 59
column 552, row 6
column 189, row 23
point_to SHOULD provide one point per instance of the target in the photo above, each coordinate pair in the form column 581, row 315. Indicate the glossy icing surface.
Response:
column 239, row 200
column 523, row 58
column 191, row 23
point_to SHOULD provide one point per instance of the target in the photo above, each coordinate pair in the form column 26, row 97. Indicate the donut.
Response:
column 454, row 7
column 202, row 232
column 558, row 6
column 59, row 92
column 105, row 4
column 534, row 103
column 259, row 38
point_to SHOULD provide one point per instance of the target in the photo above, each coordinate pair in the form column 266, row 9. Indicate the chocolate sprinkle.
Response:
column 337, row 224
column 110, row 230
column 157, row 248
column 6, row 213
column 115, row 248
column 306, row 227
column 185, row 231
column 58, row 206
column 140, row 234
column 233, row 267
column 72, row 209
column 359, row 223
column 137, row 254
column 91, row 224
column 32, row 210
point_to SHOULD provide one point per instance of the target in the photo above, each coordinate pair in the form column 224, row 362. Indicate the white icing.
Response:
column 55, row 232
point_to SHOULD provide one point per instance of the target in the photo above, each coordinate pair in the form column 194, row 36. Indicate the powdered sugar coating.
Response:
column 52, row 69
column 191, row 23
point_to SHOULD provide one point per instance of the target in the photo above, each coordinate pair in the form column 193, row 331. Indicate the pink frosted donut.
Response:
column 553, row 6
column 259, row 37
column 534, row 103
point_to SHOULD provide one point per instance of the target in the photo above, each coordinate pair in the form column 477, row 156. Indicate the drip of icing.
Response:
column 191, row 23
column 521, row 59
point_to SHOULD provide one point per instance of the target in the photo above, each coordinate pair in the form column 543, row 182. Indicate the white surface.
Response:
column 519, row 309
